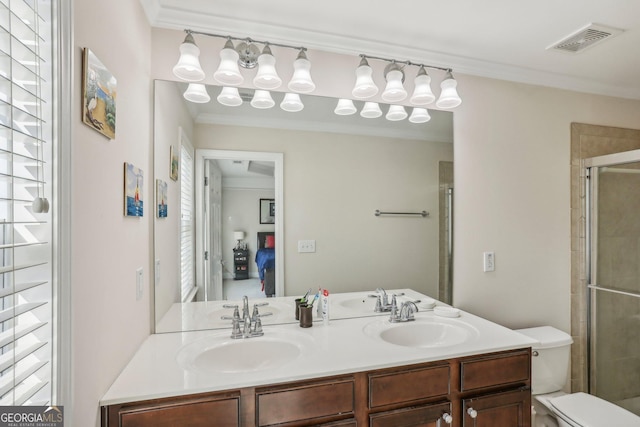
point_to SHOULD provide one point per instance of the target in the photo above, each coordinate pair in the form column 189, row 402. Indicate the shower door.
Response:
column 613, row 234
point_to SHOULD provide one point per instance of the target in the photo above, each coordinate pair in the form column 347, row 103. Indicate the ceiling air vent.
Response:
column 585, row 38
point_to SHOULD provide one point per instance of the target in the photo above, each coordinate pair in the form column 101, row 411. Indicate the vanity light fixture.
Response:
column 228, row 72
column 345, row 107
column 229, row 96
column 197, row 92
column 188, row 67
column 449, row 97
column 422, row 94
column 245, row 55
column 291, row 103
column 394, row 91
column 419, row 115
column 371, row 110
column 301, row 80
column 262, row 99
column 396, row 113
column 267, row 76
column 365, row 86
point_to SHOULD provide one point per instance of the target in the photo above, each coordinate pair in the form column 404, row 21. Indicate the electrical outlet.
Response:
column 139, row 281
column 306, row 246
column 489, row 259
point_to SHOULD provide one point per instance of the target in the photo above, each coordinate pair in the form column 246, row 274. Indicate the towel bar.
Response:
column 423, row 214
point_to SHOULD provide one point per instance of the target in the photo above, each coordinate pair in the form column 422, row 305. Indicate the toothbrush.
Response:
column 315, row 298
column 304, row 298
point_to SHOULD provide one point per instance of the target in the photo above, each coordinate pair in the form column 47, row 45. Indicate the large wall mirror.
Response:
column 326, row 176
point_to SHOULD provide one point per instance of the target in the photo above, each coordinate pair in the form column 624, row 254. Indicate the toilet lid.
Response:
column 590, row 411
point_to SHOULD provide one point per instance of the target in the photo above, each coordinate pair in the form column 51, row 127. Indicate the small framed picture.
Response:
column 99, row 90
column 133, row 196
column 174, row 157
column 161, row 198
column 267, row 211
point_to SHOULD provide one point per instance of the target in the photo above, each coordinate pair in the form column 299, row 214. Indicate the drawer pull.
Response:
column 472, row 412
column 447, row 418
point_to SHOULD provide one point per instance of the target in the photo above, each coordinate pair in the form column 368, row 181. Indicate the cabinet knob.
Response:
column 472, row 412
column 447, row 418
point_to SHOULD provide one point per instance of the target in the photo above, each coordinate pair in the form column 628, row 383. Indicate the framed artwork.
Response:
column 133, row 185
column 99, row 90
column 161, row 198
column 174, row 157
column 267, row 211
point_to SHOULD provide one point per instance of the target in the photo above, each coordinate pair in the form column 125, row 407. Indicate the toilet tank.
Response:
column 550, row 361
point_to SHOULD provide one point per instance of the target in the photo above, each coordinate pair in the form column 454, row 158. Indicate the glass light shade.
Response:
column 188, row 67
column 394, row 91
column 262, row 99
column 365, row 86
column 228, row 72
column 267, row 76
column 291, row 103
column 449, row 97
column 197, row 92
column 345, row 107
column 419, row 115
column 371, row 110
column 422, row 94
column 396, row 113
column 301, row 80
column 230, row 97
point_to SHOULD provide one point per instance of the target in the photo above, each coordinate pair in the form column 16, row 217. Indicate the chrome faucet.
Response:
column 382, row 303
column 251, row 324
column 405, row 313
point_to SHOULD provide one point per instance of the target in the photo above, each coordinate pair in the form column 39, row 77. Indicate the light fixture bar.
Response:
column 362, row 55
column 245, row 39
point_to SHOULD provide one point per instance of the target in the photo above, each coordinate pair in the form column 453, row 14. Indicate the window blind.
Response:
column 26, row 139
column 187, row 261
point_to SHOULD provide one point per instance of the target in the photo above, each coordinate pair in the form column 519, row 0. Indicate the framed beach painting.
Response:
column 99, row 90
column 161, row 198
column 174, row 157
column 133, row 185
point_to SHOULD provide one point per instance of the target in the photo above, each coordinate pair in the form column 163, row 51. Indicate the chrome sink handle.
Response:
column 236, row 312
column 235, row 326
column 385, row 298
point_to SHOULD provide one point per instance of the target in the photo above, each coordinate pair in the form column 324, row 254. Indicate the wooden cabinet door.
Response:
column 508, row 409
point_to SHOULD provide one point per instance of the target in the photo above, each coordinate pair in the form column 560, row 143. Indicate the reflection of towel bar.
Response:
column 423, row 214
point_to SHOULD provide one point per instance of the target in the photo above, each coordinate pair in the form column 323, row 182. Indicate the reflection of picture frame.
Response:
column 267, row 211
column 174, row 157
column 133, row 185
column 99, row 90
column 161, row 198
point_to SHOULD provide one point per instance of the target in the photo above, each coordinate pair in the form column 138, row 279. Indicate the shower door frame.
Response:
column 590, row 165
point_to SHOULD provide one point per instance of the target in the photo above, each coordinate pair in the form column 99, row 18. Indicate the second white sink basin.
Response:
column 221, row 354
column 423, row 332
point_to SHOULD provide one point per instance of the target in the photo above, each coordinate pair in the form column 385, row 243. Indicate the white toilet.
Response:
column 552, row 407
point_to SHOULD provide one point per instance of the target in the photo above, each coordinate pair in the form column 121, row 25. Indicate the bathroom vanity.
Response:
column 359, row 371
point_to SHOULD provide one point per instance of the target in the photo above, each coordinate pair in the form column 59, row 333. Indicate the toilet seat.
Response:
column 585, row 410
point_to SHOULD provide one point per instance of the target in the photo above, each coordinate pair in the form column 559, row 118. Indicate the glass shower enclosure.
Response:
column 613, row 236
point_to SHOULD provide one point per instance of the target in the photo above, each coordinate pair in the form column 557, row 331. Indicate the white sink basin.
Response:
column 423, row 332
column 365, row 303
column 221, row 354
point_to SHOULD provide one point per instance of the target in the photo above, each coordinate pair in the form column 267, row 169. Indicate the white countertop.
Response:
column 163, row 367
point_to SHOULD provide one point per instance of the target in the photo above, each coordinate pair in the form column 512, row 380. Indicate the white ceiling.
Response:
column 504, row 39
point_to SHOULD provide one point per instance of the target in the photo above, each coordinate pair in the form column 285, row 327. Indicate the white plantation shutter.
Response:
column 25, row 173
column 187, row 242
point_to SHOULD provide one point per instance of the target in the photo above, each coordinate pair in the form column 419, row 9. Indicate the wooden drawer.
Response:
column 305, row 402
column 495, row 371
column 222, row 413
column 426, row 415
column 408, row 386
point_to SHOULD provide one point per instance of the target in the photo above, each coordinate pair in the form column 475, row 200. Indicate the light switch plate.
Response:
column 306, row 246
column 489, row 261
